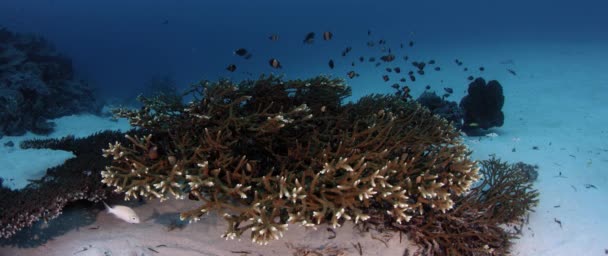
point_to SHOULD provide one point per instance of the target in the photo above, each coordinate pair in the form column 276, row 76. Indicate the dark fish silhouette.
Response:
column 431, row 62
column 274, row 37
column 241, row 52
column 428, row 87
column 346, row 51
column 412, row 78
column 331, row 64
column 389, row 70
column 369, row 32
column 361, row 59
column 470, row 78
column 397, row 70
column 351, row 74
column 385, row 78
column 448, row 90
column 275, row 63
column 481, row 69
column 231, row 67
column 310, row 38
column 458, row 62
column 411, row 43
column 327, row 35
column 395, row 86
column 437, row 68
column 419, row 65
column 402, row 80
column 388, row 58
column 371, row 43
column 512, row 72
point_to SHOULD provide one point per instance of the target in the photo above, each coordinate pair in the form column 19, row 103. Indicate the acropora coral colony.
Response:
column 268, row 153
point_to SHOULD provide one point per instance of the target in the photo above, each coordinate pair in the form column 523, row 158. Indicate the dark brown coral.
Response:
column 270, row 152
column 484, row 221
column 78, row 178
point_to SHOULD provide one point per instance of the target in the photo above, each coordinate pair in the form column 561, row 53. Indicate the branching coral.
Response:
column 477, row 224
column 267, row 153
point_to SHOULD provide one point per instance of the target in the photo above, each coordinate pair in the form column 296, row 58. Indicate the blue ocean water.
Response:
column 555, row 106
column 118, row 45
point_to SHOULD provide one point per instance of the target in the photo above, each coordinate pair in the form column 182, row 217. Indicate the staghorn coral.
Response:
column 269, row 152
column 478, row 224
column 74, row 180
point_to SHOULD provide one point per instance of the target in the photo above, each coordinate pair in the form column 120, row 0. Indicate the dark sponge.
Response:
column 482, row 106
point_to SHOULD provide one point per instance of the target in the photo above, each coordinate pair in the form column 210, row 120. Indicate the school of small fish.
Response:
column 387, row 58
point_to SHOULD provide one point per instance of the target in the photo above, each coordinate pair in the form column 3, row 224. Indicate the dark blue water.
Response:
column 119, row 45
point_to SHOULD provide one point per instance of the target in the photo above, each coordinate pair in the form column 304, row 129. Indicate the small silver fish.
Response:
column 123, row 212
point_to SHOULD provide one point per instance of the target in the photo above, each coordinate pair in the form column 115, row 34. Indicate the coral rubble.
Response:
column 37, row 84
column 268, row 153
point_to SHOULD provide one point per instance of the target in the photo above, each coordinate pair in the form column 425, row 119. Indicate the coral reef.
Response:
column 37, row 84
column 444, row 108
column 479, row 223
column 268, row 153
column 74, row 180
column 482, row 106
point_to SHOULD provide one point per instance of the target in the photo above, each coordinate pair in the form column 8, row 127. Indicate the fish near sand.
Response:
column 123, row 212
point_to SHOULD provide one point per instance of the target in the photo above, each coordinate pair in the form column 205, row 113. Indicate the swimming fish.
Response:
column 275, row 63
column 388, row 58
column 331, row 64
column 231, row 67
column 310, row 37
column 241, row 52
column 351, row 74
column 274, row 37
column 123, row 212
column 327, row 35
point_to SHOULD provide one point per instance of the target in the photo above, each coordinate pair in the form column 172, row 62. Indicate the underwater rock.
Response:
column 482, row 105
column 37, row 84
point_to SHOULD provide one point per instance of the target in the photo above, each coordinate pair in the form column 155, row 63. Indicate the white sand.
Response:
column 555, row 103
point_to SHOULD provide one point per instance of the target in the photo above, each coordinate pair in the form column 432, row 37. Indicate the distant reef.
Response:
column 37, row 84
